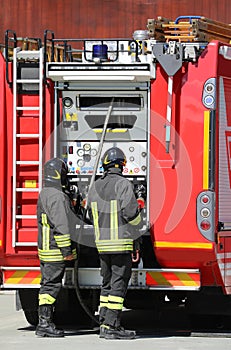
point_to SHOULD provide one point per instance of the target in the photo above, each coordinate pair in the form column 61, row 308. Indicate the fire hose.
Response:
column 76, row 265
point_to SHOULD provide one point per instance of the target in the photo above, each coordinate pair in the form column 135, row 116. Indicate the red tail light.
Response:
column 205, row 225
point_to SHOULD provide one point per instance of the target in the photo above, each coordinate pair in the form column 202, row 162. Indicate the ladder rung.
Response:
column 28, row 81
column 27, row 135
column 26, row 244
column 28, row 108
column 26, row 216
column 23, row 189
column 27, row 162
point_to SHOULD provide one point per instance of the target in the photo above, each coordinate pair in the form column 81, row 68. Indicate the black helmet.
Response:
column 55, row 173
column 113, row 157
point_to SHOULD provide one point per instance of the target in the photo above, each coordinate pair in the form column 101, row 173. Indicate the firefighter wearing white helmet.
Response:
column 56, row 220
column 115, row 214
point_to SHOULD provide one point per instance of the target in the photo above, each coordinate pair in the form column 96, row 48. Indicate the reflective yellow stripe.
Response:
column 115, row 302
column 104, row 326
column 115, row 299
column 113, row 220
column 74, row 252
column 183, row 245
column 45, row 232
column 119, row 245
column 63, row 240
column 103, row 298
column 115, row 306
column 46, row 299
column 102, row 304
column 110, row 130
column 50, row 255
column 95, row 219
column 206, row 151
column 186, row 279
column 135, row 221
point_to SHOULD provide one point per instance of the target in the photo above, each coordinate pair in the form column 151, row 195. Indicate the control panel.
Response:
column 81, row 156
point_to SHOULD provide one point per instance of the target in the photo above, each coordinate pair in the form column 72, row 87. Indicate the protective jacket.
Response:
column 114, row 211
column 56, row 220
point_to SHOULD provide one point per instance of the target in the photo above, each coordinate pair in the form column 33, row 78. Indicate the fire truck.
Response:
column 164, row 97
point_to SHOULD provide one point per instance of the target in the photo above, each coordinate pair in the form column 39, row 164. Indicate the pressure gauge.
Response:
column 67, row 101
column 87, row 147
column 80, row 163
column 80, row 152
column 93, row 152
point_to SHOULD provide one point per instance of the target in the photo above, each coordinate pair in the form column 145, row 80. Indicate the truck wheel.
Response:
column 27, row 299
column 31, row 317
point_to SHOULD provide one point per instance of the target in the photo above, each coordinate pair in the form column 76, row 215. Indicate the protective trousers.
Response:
column 51, row 282
column 116, row 272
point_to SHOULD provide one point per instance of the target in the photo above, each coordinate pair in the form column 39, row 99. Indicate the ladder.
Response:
column 18, row 137
column 188, row 29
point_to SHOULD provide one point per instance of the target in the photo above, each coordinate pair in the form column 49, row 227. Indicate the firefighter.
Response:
column 56, row 220
column 115, row 214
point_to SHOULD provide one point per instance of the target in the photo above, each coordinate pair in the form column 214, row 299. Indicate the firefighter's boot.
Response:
column 118, row 333
column 46, row 327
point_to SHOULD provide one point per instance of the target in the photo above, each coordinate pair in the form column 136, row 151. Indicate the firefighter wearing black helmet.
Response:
column 115, row 214
column 56, row 220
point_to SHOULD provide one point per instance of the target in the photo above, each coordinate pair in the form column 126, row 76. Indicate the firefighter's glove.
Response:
column 141, row 194
column 75, row 196
column 69, row 257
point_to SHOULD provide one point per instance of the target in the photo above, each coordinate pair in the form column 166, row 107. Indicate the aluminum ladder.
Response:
column 25, row 56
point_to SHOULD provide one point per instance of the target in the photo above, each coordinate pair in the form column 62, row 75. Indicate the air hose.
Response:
column 76, row 265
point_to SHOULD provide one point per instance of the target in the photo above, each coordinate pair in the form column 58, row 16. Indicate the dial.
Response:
column 87, row 147
column 93, row 152
column 80, row 152
column 80, row 163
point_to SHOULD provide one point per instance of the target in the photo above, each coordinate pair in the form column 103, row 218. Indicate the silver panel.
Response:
column 224, row 159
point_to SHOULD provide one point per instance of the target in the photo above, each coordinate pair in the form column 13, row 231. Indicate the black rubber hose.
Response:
column 77, row 289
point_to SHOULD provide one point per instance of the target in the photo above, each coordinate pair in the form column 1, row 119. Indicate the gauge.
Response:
column 87, row 147
column 80, row 152
column 93, row 152
column 67, row 101
column 80, row 163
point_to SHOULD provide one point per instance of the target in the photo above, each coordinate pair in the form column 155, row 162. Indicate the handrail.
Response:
column 9, row 39
column 46, row 39
column 186, row 17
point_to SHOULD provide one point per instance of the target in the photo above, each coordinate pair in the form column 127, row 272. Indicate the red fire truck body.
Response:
column 170, row 114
